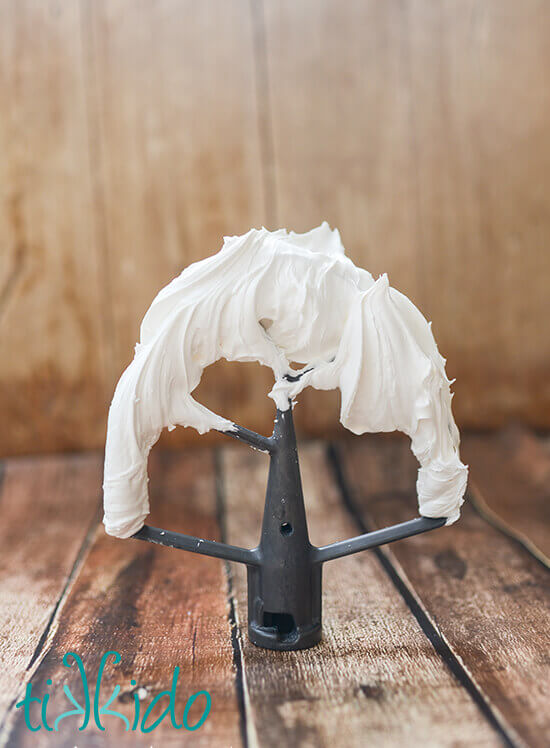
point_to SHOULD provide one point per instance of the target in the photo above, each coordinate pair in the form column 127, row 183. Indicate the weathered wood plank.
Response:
column 342, row 136
column 404, row 124
column 486, row 594
column 375, row 679
column 41, row 501
column 159, row 608
column 135, row 135
column 474, row 71
column 52, row 383
column 173, row 101
column 511, row 479
column 340, row 103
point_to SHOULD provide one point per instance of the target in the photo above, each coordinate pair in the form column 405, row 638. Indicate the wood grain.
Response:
column 341, row 111
column 160, row 609
column 174, row 107
column 393, row 620
column 42, row 500
column 484, row 592
column 420, row 129
column 511, row 478
column 375, row 679
column 136, row 134
column 54, row 351
column 481, row 109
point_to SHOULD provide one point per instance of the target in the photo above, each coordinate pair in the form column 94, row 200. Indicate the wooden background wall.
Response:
column 135, row 133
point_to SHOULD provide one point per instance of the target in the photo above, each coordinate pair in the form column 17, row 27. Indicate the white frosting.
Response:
column 278, row 297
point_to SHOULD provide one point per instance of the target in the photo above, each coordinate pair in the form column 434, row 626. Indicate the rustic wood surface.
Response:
column 41, row 503
column 479, row 589
column 441, row 639
column 136, row 135
column 52, row 295
column 515, row 463
column 375, row 679
column 157, row 611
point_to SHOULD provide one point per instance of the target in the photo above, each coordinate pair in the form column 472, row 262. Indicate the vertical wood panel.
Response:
column 339, row 92
column 136, row 134
column 421, row 130
column 52, row 392
column 343, row 143
column 174, row 102
column 481, row 113
column 173, row 95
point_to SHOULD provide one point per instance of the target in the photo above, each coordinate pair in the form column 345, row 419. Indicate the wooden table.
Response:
column 441, row 639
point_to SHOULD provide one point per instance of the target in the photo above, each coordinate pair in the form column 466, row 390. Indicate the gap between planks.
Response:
column 37, row 585
column 487, row 595
column 50, row 629
column 157, row 608
column 391, row 567
column 283, row 691
column 236, row 642
column 415, row 605
column 511, row 463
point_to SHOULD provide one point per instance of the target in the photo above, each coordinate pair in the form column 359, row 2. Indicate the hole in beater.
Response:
column 283, row 623
column 286, row 528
